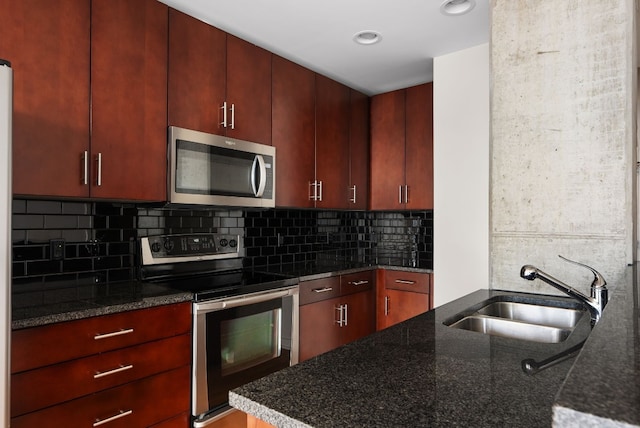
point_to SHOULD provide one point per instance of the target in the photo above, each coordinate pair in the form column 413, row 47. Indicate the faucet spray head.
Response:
column 529, row 272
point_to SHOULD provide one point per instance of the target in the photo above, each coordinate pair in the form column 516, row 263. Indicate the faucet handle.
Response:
column 598, row 279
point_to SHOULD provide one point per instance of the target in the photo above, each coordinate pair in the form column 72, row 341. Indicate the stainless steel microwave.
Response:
column 208, row 169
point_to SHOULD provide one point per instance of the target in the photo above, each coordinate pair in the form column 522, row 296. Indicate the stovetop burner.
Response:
column 230, row 283
column 207, row 265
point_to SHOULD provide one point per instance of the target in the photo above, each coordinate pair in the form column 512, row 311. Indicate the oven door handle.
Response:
column 241, row 301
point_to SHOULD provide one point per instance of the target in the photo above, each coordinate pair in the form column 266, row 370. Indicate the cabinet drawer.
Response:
column 36, row 389
column 137, row 404
column 356, row 282
column 41, row 346
column 408, row 281
column 319, row 289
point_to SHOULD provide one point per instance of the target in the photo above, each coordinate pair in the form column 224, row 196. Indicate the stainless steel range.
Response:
column 245, row 323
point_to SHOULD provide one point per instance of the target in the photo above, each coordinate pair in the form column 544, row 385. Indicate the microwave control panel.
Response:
column 188, row 247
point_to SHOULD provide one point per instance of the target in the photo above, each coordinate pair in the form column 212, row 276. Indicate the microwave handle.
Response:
column 258, row 188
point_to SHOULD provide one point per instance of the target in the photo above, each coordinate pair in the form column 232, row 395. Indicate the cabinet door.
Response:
column 197, row 73
column 129, row 99
column 359, row 151
column 249, row 91
column 419, row 146
column 47, row 44
column 387, row 150
column 398, row 306
column 332, row 142
column 293, row 132
column 360, row 315
column 319, row 330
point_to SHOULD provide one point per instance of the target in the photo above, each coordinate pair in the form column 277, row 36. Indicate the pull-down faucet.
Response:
column 599, row 293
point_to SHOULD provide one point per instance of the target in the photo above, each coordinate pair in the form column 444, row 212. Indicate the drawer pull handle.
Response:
column 114, row 371
column 322, row 290
column 363, row 282
column 404, row 281
column 122, row 414
column 113, row 334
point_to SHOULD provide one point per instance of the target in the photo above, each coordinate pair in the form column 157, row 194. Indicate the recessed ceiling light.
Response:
column 367, row 37
column 457, row 7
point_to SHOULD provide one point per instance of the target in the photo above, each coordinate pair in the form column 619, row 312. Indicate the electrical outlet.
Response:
column 57, row 249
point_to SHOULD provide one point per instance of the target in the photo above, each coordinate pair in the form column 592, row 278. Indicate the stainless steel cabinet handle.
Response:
column 322, row 290
column 406, row 194
column 342, row 311
column 400, row 194
column 98, row 375
column 113, row 334
column 353, row 197
column 85, row 174
column 404, row 281
column 224, row 114
column 346, row 314
column 99, row 160
column 122, row 414
column 386, row 305
column 317, row 190
column 363, row 282
column 313, row 197
column 233, row 116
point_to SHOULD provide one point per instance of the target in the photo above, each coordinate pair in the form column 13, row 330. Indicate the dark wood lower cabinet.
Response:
column 327, row 321
column 138, row 404
column 130, row 369
column 401, row 295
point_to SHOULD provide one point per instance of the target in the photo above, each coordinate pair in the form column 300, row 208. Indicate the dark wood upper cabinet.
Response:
column 248, row 91
column 402, row 149
column 293, row 128
column 359, row 151
column 129, row 99
column 419, row 146
column 332, row 143
column 47, row 44
column 218, row 83
column 197, row 73
column 387, row 150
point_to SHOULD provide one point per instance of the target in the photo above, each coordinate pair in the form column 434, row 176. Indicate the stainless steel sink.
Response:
column 535, row 314
column 513, row 329
column 539, row 319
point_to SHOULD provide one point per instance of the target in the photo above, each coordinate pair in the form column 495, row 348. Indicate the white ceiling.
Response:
column 319, row 35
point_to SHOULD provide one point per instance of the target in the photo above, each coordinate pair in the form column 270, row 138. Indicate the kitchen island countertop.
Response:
column 422, row 373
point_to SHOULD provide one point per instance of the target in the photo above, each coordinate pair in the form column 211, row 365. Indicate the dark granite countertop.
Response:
column 603, row 389
column 414, row 374
column 95, row 300
column 311, row 271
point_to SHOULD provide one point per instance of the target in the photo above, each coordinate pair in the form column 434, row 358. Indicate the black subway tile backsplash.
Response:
column 100, row 240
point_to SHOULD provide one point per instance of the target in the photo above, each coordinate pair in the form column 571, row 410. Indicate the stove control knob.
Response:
column 224, row 242
column 168, row 245
column 233, row 243
column 155, row 247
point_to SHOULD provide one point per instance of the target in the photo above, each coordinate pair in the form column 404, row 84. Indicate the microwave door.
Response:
column 258, row 176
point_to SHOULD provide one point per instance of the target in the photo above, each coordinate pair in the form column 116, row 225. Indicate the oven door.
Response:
column 238, row 340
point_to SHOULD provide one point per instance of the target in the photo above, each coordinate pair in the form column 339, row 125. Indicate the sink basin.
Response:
column 535, row 314
column 540, row 319
column 513, row 329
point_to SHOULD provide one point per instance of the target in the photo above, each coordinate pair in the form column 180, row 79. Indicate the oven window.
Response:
column 246, row 343
column 249, row 341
